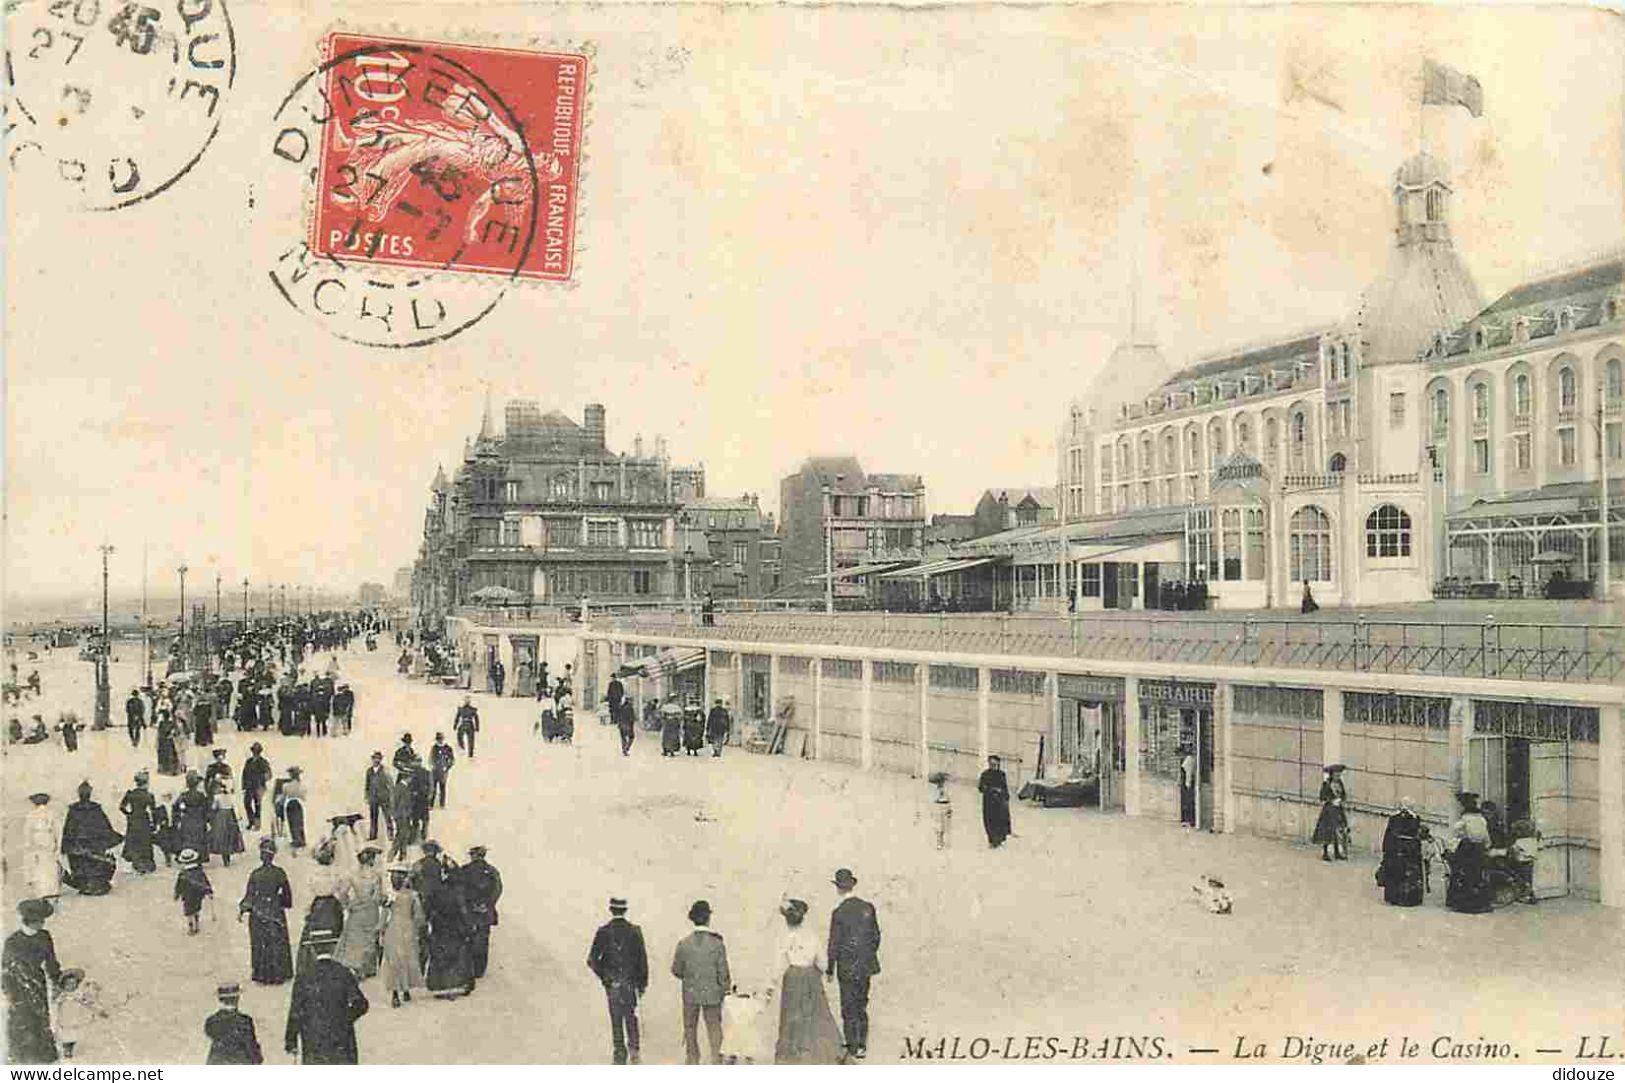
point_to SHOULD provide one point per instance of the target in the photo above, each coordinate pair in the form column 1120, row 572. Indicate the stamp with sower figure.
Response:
column 434, row 177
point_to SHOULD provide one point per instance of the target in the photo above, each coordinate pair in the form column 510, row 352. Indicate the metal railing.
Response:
column 1584, row 653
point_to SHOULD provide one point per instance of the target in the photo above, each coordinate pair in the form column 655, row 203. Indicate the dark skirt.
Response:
column 271, row 959
column 996, row 817
column 450, row 964
column 671, row 737
column 138, row 843
column 90, row 874
column 1331, row 825
column 225, row 837
column 294, row 812
column 807, row 1031
column 169, row 760
column 693, row 734
column 324, row 924
column 1400, row 873
column 1468, row 890
column 28, row 1031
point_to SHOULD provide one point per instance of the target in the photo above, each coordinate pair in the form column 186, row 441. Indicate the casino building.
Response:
column 1428, row 444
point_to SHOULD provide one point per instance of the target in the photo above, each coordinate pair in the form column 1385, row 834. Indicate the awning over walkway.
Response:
column 667, row 662
column 855, row 572
column 1165, row 551
column 936, row 568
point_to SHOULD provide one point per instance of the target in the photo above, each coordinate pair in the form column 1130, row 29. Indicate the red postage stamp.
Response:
column 449, row 157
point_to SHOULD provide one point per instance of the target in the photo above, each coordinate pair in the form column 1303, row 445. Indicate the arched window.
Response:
column 1298, row 438
column 1481, row 403
column 1272, row 439
column 1193, row 446
column 1613, row 381
column 1123, row 463
column 1441, row 410
column 1339, row 463
column 1145, row 454
column 1520, row 395
column 1309, row 549
column 1170, row 453
column 1345, row 352
column 1216, row 437
column 1244, row 435
column 1566, row 388
column 1388, row 532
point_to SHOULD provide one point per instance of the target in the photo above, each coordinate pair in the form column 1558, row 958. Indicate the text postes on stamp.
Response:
column 431, row 178
column 111, row 102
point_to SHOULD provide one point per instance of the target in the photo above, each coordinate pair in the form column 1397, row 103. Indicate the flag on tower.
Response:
column 1444, row 85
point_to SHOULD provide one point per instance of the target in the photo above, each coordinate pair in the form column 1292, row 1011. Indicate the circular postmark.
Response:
column 110, row 102
column 401, row 195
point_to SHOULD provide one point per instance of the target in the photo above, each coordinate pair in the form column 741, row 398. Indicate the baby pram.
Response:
column 745, row 1038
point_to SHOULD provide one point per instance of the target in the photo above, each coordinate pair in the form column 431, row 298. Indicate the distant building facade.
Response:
column 872, row 519
column 734, row 530
column 545, row 513
column 1428, row 443
column 946, row 528
column 371, row 594
column 1006, row 509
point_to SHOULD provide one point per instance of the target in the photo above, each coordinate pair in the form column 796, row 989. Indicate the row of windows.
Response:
column 1521, row 391
column 563, row 487
column 1167, row 459
column 1309, row 540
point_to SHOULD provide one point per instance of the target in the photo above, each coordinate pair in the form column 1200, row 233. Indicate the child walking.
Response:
column 191, row 888
column 78, row 1005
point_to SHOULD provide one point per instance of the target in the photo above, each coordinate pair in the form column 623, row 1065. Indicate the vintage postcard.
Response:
column 991, row 534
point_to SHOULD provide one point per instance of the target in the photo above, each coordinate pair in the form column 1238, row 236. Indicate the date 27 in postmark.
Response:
column 433, row 177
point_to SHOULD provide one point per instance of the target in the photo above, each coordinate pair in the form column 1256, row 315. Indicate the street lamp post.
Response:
column 146, row 629
column 1602, row 501
column 688, row 560
column 245, row 605
column 182, row 570
column 103, row 692
column 829, row 552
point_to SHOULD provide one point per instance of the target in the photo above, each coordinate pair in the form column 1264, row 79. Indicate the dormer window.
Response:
column 1520, row 330
column 1478, row 339
column 1613, row 309
column 1565, row 320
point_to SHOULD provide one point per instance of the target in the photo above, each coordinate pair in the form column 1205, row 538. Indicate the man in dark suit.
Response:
column 322, row 1012
column 467, row 724
column 256, row 778
column 621, row 963
column 854, row 958
column 376, row 787
column 481, row 885
column 135, row 716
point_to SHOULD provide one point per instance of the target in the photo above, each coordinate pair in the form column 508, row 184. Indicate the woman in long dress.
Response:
column 995, row 790
column 404, row 926
column 140, row 833
column 42, row 835
column 451, row 965
column 693, row 729
column 324, row 921
column 807, row 1031
column 363, row 901
column 169, row 757
column 1467, row 891
column 1400, row 873
column 266, row 901
column 87, row 836
column 671, row 729
column 225, row 836
column 1332, row 826
column 192, row 818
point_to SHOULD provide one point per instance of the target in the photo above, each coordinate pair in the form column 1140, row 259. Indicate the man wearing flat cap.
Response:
column 701, row 964
column 854, row 958
column 621, row 963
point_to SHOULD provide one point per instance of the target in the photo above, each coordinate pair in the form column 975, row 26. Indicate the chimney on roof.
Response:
column 637, row 446
column 593, row 418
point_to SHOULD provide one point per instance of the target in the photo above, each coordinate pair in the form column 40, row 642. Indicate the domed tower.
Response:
column 1134, row 369
column 1424, row 292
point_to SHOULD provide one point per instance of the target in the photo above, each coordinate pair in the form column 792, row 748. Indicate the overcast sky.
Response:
column 908, row 235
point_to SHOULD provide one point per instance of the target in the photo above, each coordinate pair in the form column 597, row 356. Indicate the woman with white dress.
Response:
column 807, row 1030
column 42, row 837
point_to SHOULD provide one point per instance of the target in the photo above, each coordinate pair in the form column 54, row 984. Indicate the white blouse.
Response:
column 801, row 946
